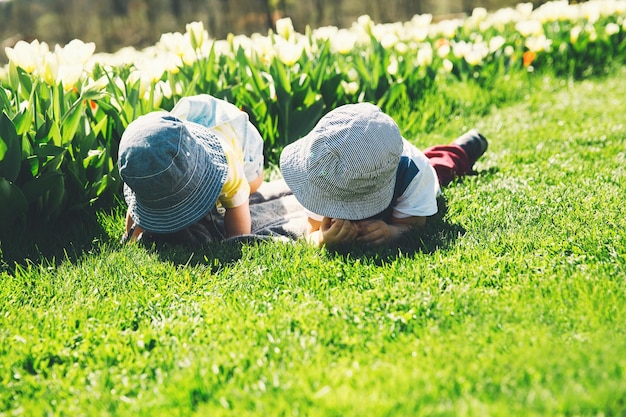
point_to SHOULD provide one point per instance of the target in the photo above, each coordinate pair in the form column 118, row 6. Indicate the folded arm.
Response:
column 334, row 232
column 378, row 232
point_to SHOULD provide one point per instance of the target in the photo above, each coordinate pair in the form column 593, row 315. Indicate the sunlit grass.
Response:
column 512, row 305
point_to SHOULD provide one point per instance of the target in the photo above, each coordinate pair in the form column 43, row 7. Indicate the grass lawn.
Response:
column 513, row 304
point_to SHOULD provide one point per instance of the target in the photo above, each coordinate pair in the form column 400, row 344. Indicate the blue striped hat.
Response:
column 346, row 166
column 173, row 171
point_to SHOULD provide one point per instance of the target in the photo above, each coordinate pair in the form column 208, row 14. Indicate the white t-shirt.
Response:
column 420, row 196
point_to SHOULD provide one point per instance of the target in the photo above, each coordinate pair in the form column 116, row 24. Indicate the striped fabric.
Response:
column 346, row 166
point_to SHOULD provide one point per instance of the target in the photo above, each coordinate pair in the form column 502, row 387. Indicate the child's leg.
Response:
column 449, row 161
column 457, row 159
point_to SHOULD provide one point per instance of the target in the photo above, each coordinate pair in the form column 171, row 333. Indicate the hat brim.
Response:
column 294, row 166
column 210, row 172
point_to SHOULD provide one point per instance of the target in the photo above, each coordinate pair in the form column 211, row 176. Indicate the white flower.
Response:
column 26, row 55
column 449, row 27
column 479, row 13
column 365, row 23
column 176, row 43
column 288, row 52
column 401, row 48
column 448, row 65
column 425, row 55
column 501, row 17
column 284, row 28
column 324, row 33
column 388, row 40
column 150, row 69
column 591, row 31
column 524, row 9
column 352, row 74
column 459, row 49
column 473, row 57
column 529, row 27
column 473, row 53
column 157, row 97
column 76, row 52
column 611, row 28
column 422, row 20
column 591, row 11
column 443, row 50
column 416, row 33
column 574, row 33
column 496, row 43
column 49, row 68
column 392, row 68
column 343, row 42
column 263, row 46
column 196, row 33
column 350, row 87
column 69, row 75
column 555, row 10
column 538, row 43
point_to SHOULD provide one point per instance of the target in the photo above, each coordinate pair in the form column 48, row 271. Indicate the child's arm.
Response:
column 254, row 185
column 237, row 220
column 133, row 232
column 332, row 232
column 377, row 232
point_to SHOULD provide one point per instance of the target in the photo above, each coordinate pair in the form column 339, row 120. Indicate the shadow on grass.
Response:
column 437, row 234
column 67, row 238
column 71, row 238
column 213, row 255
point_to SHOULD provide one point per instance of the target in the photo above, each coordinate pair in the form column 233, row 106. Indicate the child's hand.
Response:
column 337, row 231
column 133, row 232
column 376, row 232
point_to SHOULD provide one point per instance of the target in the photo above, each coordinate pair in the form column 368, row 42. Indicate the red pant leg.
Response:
column 449, row 161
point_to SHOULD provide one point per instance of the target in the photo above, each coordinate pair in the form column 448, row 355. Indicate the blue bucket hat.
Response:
column 173, row 171
column 346, row 166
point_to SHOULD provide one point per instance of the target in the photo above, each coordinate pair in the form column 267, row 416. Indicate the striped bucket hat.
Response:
column 173, row 171
column 346, row 166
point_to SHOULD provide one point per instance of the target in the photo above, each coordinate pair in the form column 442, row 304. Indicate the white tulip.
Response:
column 26, row 55
column 284, row 28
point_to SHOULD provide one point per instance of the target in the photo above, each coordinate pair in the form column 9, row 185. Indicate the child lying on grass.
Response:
column 176, row 166
column 361, row 181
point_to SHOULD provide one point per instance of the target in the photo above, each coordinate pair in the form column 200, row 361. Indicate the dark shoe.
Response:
column 473, row 143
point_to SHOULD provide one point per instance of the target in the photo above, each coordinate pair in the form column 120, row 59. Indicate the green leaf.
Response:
column 304, row 119
column 33, row 162
column 5, row 102
column 26, row 83
column 12, row 203
column 280, row 76
column 70, row 122
column 23, row 121
column 50, row 156
column 14, row 79
column 39, row 189
column 55, row 134
column 10, row 149
column 99, row 187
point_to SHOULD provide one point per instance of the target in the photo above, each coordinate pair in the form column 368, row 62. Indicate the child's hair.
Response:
column 173, row 171
column 346, row 166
